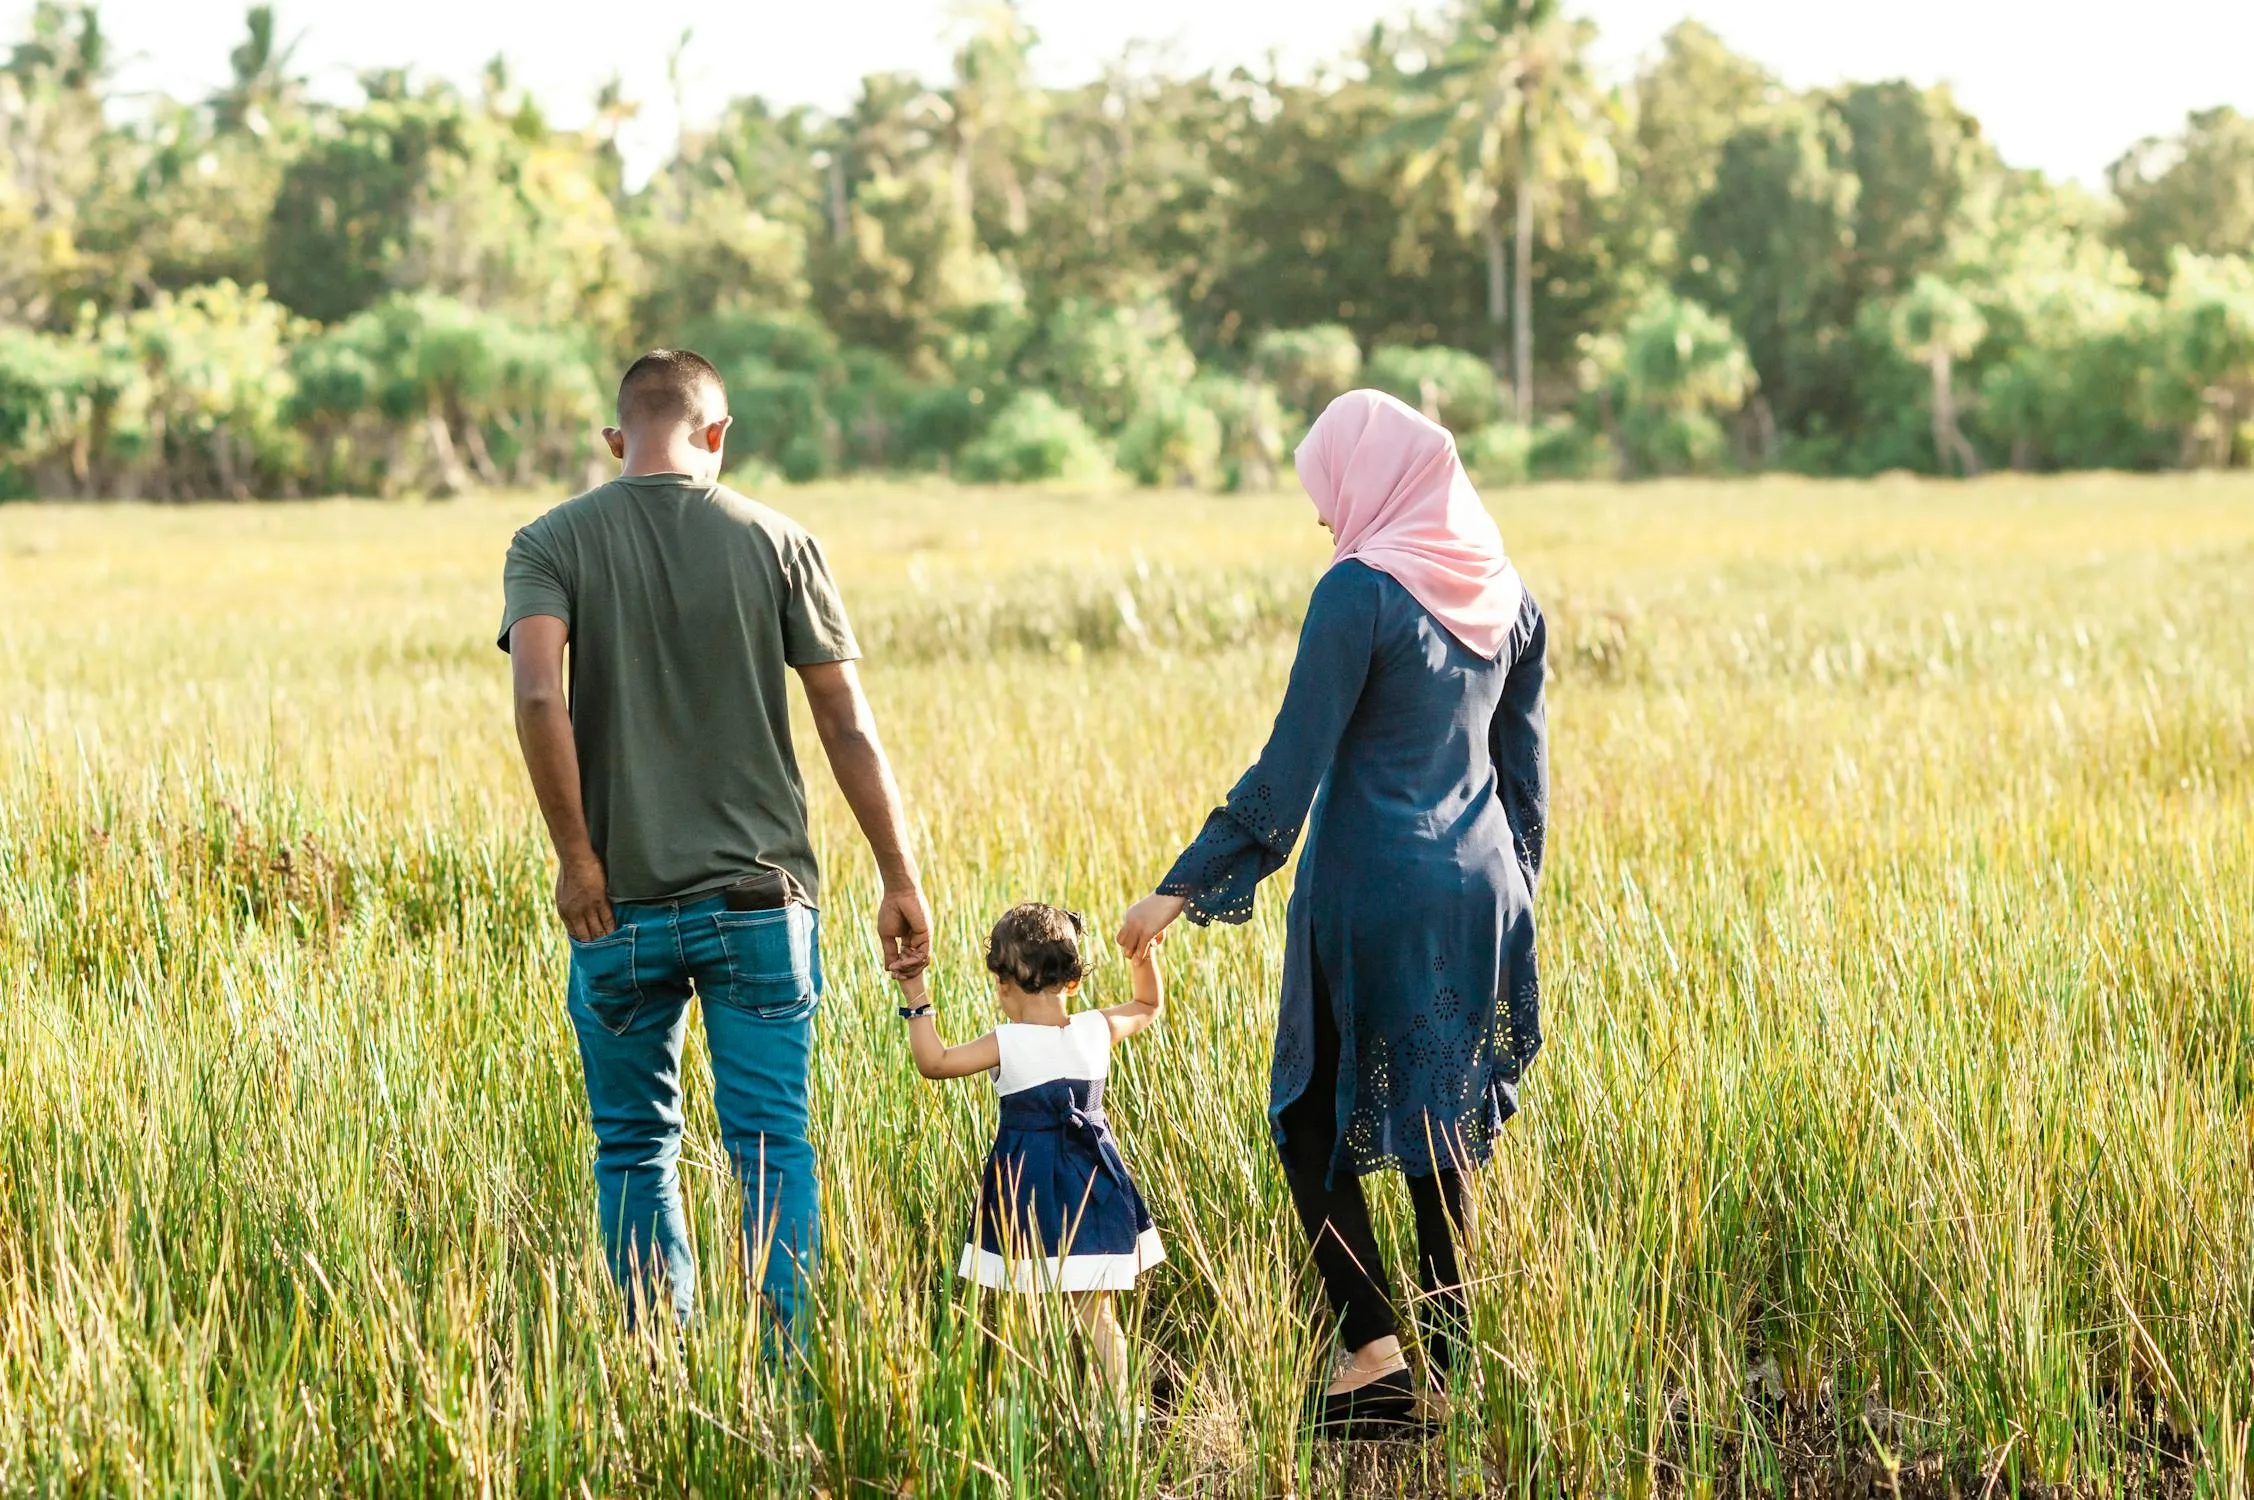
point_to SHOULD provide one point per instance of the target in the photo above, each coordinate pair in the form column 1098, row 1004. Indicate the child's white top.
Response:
column 1033, row 1055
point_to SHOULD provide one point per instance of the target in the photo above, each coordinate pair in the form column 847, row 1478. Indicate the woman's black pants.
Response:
column 1337, row 1217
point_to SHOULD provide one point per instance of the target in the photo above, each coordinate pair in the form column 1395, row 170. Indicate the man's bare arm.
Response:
column 536, row 655
column 849, row 737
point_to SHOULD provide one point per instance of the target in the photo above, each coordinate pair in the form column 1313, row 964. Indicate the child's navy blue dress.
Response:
column 1057, row 1211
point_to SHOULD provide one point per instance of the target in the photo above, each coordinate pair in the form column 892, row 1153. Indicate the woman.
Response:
column 1413, row 723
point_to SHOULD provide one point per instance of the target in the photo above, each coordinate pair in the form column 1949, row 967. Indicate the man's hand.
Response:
column 583, row 899
column 1146, row 921
column 904, row 933
column 551, row 755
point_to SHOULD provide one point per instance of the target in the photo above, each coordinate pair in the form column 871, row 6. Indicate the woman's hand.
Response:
column 1146, row 919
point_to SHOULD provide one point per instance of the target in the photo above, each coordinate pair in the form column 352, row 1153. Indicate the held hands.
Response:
column 1146, row 923
column 583, row 898
column 904, row 933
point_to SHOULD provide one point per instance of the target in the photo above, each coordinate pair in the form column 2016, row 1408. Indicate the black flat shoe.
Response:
column 1386, row 1407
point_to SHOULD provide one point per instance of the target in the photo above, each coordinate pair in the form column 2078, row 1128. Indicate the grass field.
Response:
column 1895, row 1129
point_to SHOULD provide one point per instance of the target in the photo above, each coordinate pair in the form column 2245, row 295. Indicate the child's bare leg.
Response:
column 1106, row 1339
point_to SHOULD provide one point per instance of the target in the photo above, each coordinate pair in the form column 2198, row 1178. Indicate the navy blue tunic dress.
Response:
column 1427, row 768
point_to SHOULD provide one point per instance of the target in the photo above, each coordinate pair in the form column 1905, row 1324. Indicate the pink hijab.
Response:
column 1387, row 480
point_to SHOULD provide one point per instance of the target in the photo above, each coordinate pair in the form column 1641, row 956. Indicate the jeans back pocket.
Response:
column 771, row 960
column 604, row 979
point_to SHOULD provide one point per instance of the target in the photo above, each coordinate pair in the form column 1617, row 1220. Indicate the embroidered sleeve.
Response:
column 1249, row 837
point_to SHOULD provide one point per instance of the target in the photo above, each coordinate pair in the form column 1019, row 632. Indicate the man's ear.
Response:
column 717, row 434
column 617, row 442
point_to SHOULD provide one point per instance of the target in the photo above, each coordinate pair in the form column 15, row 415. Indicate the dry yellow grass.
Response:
column 1896, row 941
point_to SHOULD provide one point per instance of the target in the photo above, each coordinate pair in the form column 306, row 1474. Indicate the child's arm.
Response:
column 1150, row 994
column 934, row 1058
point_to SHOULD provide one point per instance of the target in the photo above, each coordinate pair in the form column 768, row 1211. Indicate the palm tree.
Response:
column 1936, row 325
column 1509, row 101
column 263, row 88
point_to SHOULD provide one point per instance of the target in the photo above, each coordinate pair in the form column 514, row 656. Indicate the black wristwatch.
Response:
column 911, row 1012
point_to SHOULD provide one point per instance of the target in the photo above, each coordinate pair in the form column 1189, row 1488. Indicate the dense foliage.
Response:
column 1156, row 275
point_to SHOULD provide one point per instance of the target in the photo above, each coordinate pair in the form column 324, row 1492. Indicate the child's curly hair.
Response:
column 1037, row 947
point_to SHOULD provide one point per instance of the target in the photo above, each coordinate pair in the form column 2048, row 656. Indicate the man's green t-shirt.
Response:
column 685, row 602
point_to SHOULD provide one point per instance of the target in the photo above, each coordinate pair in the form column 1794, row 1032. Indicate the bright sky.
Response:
column 2063, row 85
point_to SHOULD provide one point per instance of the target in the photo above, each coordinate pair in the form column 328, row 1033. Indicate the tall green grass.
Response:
column 1893, row 1127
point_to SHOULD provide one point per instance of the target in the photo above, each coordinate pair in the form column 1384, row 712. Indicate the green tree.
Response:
column 1253, row 424
column 1509, row 101
column 1689, row 101
column 1310, row 367
column 902, row 266
column 1451, row 387
column 1033, row 438
column 1124, row 192
column 518, row 221
column 1106, row 362
column 211, row 406
column 56, row 394
column 208, row 172
column 343, row 214
column 1937, row 326
column 994, row 114
column 728, row 225
column 2193, row 190
column 63, row 171
column 2072, row 329
column 1919, row 163
column 1683, row 370
column 1768, row 249
column 421, row 190
column 263, row 91
column 1289, row 226
column 1172, row 439
column 424, row 393
column 2200, row 382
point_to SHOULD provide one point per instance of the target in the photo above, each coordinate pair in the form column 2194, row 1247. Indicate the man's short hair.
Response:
column 671, row 386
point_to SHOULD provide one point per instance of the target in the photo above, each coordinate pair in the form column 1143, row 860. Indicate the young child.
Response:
column 1057, row 1212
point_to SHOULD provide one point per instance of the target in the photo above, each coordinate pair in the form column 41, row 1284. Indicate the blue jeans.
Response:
column 759, row 976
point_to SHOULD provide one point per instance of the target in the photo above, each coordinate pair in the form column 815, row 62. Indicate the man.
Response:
column 674, row 802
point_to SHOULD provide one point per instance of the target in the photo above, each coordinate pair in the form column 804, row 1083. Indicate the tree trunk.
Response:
column 965, row 182
column 1608, row 422
column 1428, row 398
column 834, row 197
column 531, row 439
column 1498, row 311
column 481, row 456
column 92, row 440
column 82, row 452
column 1765, row 429
column 158, row 468
column 1522, row 310
column 453, row 479
column 1949, row 444
column 223, row 459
